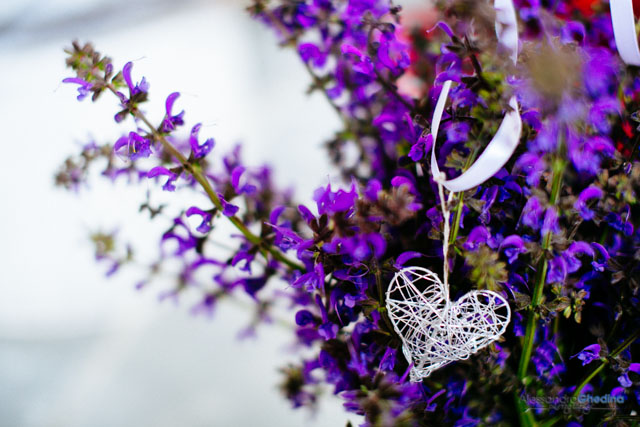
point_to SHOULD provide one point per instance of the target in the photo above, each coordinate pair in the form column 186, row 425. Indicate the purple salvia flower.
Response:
column 160, row 170
column 374, row 187
column 420, row 148
column 304, row 317
column 513, row 246
column 227, row 208
column 624, row 379
column 171, row 122
column 404, row 257
column 84, row 87
column 478, row 236
column 236, row 175
column 137, row 146
column 550, row 223
column 198, row 150
column 327, row 330
column 581, row 205
column 332, row 202
column 532, row 214
column 533, row 166
column 588, row 354
column 141, row 87
column 205, row 225
column 557, row 270
column 309, row 52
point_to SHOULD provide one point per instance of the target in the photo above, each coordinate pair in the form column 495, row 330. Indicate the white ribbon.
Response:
column 504, row 143
column 624, row 31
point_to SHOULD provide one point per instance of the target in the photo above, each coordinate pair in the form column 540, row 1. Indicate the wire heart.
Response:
column 436, row 331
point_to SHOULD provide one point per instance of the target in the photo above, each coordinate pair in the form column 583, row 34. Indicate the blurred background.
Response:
column 76, row 348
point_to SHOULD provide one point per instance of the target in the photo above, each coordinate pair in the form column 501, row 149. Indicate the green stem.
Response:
column 614, row 353
column 460, row 206
column 213, row 196
column 524, row 413
column 543, row 266
column 456, row 224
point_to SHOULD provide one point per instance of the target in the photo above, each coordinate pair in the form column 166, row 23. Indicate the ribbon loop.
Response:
column 504, row 142
column 624, row 31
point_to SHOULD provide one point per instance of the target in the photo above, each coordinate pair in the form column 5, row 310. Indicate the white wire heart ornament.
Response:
column 436, row 331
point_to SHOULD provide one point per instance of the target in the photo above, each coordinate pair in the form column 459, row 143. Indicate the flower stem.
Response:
column 543, row 266
column 460, row 206
column 524, row 413
column 614, row 353
column 213, row 196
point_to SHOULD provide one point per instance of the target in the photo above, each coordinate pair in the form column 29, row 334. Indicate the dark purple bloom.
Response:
column 513, row 246
column 600, row 263
column 404, row 257
column 575, row 249
column 478, row 236
column 617, row 222
column 420, row 148
column 573, row 31
column 327, row 330
column 624, row 379
column 533, row 166
column 581, row 205
column 532, row 214
column 330, row 202
column 589, row 354
column 457, row 132
column 557, row 270
column 550, row 223
column 311, row 280
column 372, row 190
column 388, row 360
column 304, row 317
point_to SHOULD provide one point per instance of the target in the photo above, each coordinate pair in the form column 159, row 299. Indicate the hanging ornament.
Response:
column 434, row 330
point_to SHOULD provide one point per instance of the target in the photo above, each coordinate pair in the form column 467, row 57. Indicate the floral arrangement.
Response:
column 554, row 232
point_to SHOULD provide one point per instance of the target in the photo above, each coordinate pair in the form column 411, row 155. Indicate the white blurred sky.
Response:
column 77, row 349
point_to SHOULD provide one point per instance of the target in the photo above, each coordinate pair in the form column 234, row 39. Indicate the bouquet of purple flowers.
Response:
column 554, row 232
